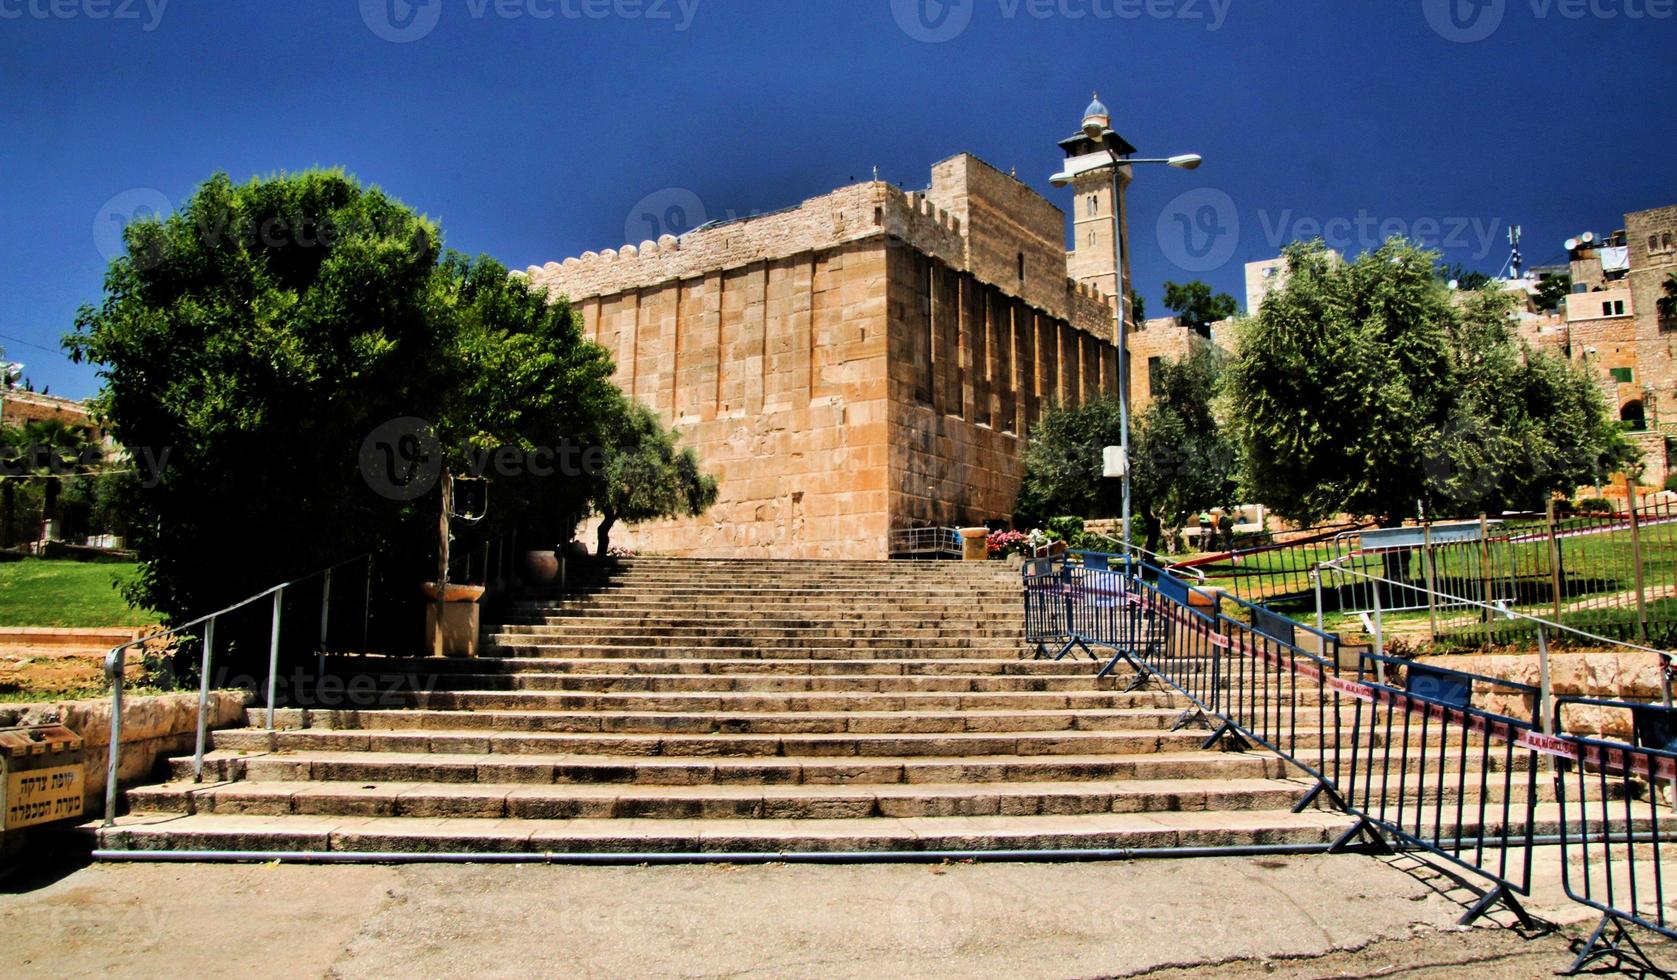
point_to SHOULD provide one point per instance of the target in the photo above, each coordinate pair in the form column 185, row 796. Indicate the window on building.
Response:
column 1155, row 366
column 1623, row 376
column 1094, row 206
column 1091, row 239
column 1632, row 417
column 1615, row 307
column 1021, row 266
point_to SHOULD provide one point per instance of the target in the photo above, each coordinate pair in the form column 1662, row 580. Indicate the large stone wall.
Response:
column 153, row 729
column 840, row 366
column 1652, row 238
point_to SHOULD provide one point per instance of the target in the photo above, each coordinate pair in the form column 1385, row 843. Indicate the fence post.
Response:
column 1485, row 578
column 325, row 618
column 366, row 603
column 1431, row 569
column 1636, row 561
column 1545, row 692
column 1554, row 557
column 203, row 702
column 1379, row 633
column 273, row 655
column 1316, row 586
column 113, row 762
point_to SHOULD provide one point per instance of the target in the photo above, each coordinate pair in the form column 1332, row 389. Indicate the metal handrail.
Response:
column 117, row 657
column 925, row 540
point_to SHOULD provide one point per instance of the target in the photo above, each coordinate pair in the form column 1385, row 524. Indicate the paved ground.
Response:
column 1233, row 917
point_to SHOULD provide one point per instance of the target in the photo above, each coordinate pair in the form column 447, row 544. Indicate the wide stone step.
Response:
column 711, row 666
column 575, row 801
column 582, row 629
column 226, row 766
column 638, row 702
column 705, row 722
column 1105, row 831
column 748, row 683
column 634, row 647
column 347, row 737
column 929, row 641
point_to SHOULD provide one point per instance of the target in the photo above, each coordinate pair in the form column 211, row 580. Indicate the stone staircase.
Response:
column 688, row 706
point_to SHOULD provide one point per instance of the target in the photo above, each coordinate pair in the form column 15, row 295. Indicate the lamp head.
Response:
column 1186, row 161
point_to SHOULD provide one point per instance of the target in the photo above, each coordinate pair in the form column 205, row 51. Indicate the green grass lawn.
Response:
column 35, row 592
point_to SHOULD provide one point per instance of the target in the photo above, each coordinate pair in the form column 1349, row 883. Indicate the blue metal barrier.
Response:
column 1441, row 761
column 1438, row 807
column 1614, row 827
column 1080, row 601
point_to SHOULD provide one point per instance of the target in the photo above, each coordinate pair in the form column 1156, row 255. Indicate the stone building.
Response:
column 20, row 407
column 865, row 361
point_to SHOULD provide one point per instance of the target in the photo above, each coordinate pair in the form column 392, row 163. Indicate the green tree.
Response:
column 1363, row 389
column 1667, row 304
column 1341, row 382
column 1138, row 307
column 1552, row 292
column 255, row 343
column 1467, row 280
column 646, row 477
column 12, row 467
column 1523, row 425
column 1182, row 461
column 57, row 451
column 1198, row 307
column 1064, row 465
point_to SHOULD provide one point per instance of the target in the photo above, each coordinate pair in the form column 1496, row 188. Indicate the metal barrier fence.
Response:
column 1439, row 761
column 1614, row 826
column 1612, row 573
column 1411, row 775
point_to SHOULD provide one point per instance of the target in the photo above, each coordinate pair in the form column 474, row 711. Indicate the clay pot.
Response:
column 454, row 593
column 541, row 567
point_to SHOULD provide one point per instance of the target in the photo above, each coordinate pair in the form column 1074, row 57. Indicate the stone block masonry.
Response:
column 870, row 359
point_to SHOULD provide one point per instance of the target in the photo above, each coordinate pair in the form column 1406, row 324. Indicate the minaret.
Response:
column 1097, row 217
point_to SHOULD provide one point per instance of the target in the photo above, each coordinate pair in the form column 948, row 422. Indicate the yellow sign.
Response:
column 42, row 795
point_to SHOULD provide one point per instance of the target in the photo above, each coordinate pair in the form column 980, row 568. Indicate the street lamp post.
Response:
column 1097, row 127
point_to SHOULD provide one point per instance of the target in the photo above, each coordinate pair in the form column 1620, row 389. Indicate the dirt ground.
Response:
column 1314, row 916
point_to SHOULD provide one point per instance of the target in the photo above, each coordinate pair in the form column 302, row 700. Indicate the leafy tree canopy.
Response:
column 254, row 344
column 646, row 476
column 1198, row 307
column 1360, row 388
column 1552, row 292
column 1181, row 460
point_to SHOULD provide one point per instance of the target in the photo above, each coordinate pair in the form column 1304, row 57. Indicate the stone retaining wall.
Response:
column 153, row 728
column 1625, row 676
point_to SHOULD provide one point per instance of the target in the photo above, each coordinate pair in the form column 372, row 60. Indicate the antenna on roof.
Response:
column 1515, row 260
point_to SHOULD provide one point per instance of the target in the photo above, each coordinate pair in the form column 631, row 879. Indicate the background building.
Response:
column 865, row 361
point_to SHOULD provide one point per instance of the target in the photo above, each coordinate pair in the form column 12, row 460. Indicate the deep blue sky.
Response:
column 537, row 138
